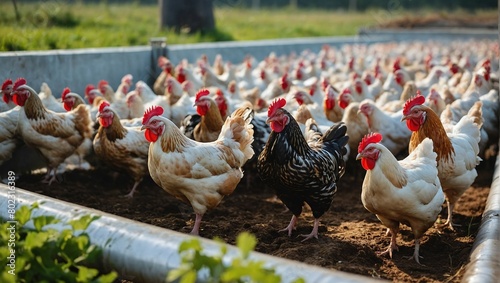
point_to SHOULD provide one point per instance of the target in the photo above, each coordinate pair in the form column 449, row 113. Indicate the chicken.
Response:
column 150, row 98
column 122, row 148
column 211, row 122
column 70, row 102
column 389, row 125
column 457, row 151
column 332, row 110
column 167, row 71
column 55, row 135
column 6, row 91
column 48, row 100
column 357, row 126
column 200, row 174
column 301, row 171
column 9, row 139
column 406, row 191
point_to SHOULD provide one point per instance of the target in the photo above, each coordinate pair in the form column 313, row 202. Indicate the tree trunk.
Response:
column 18, row 16
column 188, row 15
column 353, row 5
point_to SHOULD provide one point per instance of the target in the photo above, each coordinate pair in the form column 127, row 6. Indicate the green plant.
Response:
column 44, row 254
column 240, row 269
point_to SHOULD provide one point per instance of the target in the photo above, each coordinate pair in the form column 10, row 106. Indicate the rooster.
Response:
column 55, row 135
column 457, row 151
column 122, row 148
column 302, row 171
column 406, row 191
column 200, row 174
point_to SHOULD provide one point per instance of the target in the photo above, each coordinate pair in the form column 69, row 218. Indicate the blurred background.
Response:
column 58, row 24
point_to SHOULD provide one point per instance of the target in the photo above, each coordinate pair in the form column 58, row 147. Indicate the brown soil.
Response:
column 349, row 236
column 443, row 20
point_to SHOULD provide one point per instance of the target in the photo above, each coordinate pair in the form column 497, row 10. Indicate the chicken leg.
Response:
column 314, row 232
column 416, row 256
column 51, row 176
column 449, row 220
column 392, row 246
column 131, row 194
column 196, row 227
column 290, row 226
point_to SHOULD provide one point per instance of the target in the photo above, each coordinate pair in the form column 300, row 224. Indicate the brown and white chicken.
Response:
column 457, row 150
column 55, row 135
column 199, row 174
column 122, row 148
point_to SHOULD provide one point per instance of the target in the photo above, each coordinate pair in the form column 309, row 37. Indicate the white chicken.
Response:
column 406, row 191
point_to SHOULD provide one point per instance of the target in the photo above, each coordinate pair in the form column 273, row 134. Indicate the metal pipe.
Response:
column 484, row 262
column 145, row 253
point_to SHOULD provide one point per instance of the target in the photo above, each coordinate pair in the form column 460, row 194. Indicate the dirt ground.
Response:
column 349, row 236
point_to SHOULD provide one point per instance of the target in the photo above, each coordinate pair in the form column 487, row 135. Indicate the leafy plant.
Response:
column 47, row 255
column 240, row 269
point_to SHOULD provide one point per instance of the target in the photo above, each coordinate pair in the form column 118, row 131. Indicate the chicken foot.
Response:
column 392, row 246
column 131, row 193
column 51, row 176
column 449, row 220
column 197, row 222
column 416, row 256
column 290, row 226
column 314, row 232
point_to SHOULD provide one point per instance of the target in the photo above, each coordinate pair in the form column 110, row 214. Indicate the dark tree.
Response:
column 190, row 15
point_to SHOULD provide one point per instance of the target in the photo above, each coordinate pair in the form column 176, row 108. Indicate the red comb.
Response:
column 102, row 83
column 102, row 105
column 368, row 139
column 219, row 92
column 127, row 78
column 65, row 91
column 88, row 88
column 419, row 99
column 275, row 105
column 153, row 111
column 162, row 60
column 6, row 83
column 201, row 93
column 19, row 82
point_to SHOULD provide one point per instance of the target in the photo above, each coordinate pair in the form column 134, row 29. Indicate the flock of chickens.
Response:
column 421, row 115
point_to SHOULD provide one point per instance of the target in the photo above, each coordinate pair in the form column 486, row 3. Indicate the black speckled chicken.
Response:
column 302, row 171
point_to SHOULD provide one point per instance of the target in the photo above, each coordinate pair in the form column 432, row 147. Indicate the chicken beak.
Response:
column 359, row 156
column 403, row 118
column 143, row 127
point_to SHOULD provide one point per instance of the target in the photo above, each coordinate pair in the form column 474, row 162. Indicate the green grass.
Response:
column 55, row 25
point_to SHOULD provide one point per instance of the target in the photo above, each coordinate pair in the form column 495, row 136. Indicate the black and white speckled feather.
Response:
column 304, row 172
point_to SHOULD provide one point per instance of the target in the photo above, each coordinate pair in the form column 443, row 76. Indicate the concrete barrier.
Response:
column 145, row 253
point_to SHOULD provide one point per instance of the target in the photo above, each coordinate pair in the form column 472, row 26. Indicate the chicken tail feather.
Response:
column 238, row 128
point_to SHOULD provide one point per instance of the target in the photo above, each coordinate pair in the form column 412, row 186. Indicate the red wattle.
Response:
column 67, row 107
column 277, row 127
column 329, row 104
column 6, row 98
column 201, row 110
column 343, row 104
column 412, row 125
column 367, row 163
column 181, row 78
column 150, row 135
column 18, row 100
